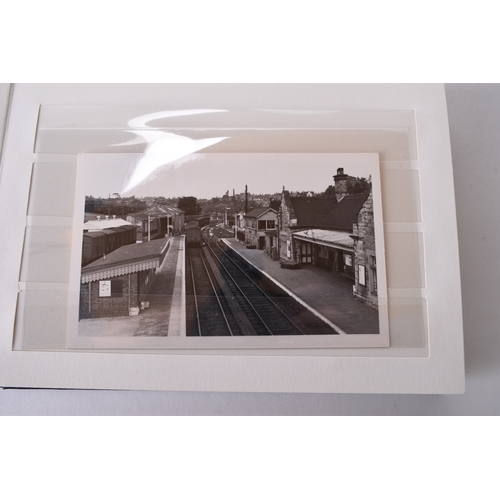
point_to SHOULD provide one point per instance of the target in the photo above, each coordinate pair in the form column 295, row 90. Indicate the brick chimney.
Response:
column 340, row 184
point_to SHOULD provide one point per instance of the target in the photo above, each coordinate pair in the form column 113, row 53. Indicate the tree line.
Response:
column 116, row 205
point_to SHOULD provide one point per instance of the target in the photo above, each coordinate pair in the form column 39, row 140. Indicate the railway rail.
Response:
column 239, row 299
column 207, row 310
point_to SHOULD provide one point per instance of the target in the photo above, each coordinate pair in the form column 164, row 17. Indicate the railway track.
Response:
column 282, row 314
column 207, row 311
column 239, row 300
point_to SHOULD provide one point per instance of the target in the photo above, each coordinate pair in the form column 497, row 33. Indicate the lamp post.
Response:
column 150, row 219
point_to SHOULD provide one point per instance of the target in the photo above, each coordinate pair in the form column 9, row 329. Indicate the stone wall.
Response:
column 286, row 215
column 364, row 255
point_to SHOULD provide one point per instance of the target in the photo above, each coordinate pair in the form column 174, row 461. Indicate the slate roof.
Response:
column 326, row 212
column 157, row 211
column 311, row 211
column 257, row 212
column 345, row 213
column 166, row 209
column 128, row 254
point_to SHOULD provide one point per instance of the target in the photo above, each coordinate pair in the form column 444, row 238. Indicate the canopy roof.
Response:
column 326, row 237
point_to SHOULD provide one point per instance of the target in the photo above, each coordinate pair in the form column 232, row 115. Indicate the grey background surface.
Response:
column 474, row 128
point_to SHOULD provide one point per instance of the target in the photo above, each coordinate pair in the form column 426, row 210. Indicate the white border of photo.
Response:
column 93, row 167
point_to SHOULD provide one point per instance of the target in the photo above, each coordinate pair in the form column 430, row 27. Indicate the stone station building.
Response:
column 336, row 233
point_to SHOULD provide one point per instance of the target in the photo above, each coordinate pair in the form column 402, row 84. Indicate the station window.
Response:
column 267, row 224
column 361, row 275
column 348, row 259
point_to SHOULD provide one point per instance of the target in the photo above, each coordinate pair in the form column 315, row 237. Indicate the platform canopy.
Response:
column 335, row 239
column 127, row 259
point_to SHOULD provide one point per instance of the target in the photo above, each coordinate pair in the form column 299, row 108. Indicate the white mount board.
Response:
column 435, row 368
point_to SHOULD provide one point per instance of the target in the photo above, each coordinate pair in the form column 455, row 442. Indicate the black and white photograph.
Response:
column 228, row 250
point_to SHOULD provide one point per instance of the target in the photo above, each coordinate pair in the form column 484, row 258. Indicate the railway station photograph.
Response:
column 230, row 245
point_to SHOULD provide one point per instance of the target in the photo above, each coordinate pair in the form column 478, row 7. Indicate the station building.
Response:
column 336, row 233
column 257, row 222
column 117, row 284
column 157, row 222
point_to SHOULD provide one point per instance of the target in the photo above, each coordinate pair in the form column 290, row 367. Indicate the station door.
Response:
column 305, row 252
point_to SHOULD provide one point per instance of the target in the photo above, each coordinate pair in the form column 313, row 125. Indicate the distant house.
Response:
column 157, row 222
column 257, row 222
column 336, row 233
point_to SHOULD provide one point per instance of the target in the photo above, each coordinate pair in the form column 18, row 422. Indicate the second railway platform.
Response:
column 329, row 295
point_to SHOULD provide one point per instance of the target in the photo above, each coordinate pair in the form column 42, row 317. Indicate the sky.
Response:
column 212, row 174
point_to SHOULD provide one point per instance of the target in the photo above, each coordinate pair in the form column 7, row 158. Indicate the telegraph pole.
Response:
column 234, row 211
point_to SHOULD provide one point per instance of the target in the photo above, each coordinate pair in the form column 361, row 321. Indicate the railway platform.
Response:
column 327, row 293
column 164, row 316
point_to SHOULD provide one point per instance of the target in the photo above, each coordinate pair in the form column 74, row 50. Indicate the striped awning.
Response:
column 120, row 271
